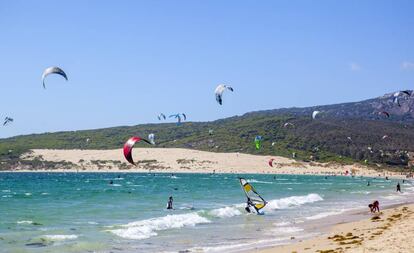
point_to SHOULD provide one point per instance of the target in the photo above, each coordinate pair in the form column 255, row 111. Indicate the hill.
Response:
column 369, row 109
column 324, row 139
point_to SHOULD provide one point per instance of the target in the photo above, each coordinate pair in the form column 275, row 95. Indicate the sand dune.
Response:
column 185, row 160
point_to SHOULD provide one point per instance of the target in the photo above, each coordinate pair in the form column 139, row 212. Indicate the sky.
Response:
column 128, row 61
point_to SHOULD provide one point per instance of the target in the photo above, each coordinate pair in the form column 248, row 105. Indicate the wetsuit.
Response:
column 170, row 203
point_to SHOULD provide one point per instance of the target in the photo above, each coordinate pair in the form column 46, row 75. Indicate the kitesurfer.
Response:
column 170, row 203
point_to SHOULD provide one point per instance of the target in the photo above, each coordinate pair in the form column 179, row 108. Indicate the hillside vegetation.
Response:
column 324, row 139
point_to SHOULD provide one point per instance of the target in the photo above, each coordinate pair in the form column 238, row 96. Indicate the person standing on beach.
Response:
column 398, row 187
column 170, row 203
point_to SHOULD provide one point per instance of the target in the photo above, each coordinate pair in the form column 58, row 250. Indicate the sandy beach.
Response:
column 388, row 231
column 177, row 160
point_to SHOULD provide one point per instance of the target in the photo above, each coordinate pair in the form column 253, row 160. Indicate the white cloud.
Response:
column 354, row 66
column 407, row 65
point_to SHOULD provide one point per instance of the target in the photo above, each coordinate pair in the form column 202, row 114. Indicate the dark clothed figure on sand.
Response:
column 374, row 207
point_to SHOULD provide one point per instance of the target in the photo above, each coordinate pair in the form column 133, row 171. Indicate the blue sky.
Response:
column 127, row 61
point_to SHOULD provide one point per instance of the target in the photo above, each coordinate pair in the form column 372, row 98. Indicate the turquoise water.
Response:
column 81, row 212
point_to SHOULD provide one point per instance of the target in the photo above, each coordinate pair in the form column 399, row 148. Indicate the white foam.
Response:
column 5, row 191
column 361, row 192
column 324, row 214
column 282, row 224
column 228, row 247
column 286, row 230
column 393, row 197
column 116, row 185
column 187, row 207
column 60, row 237
column 225, row 212
column 292, row 201
column 147, row 228
column 28, row 194
column 24, row 222
column 257, row 181
column 45, row 193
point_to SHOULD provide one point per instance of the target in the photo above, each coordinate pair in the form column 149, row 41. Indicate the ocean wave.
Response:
column 225, row 212
column 325, row 214
column 292, row 201
column 393, row 197
column 257, row 181
column 187, row 207
column 286, row 230
column 361, row 192
column 24, row 222
column 147, row 228
column 282, row 224
column 59, row 237
column 228, row 247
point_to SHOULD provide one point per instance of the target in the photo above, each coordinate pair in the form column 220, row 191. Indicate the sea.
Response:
column 126, row 212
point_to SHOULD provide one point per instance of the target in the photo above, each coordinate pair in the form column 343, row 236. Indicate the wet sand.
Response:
column 391, row 231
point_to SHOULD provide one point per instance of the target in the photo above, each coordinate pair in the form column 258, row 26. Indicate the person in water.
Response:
column 170, row 203
column 368, row 184
column 398, row 187
column 111, row 182
column 250, row 204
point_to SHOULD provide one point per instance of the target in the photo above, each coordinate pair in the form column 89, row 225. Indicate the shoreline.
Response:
column 358, row 231
column 178, row 160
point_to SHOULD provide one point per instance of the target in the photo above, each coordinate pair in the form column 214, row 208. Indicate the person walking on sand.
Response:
column 398, row 187
column 170, row 203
